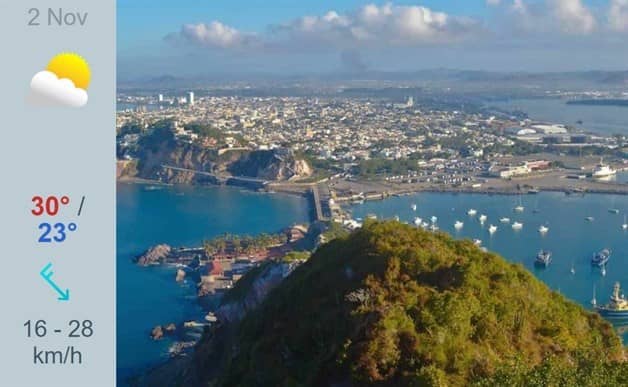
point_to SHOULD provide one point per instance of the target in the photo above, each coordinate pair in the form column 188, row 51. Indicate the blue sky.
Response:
column 195, row 37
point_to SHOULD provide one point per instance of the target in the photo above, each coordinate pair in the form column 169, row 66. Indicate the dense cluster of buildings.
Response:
column 347, row 131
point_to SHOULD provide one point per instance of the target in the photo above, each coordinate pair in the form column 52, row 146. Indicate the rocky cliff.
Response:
column 161, row 148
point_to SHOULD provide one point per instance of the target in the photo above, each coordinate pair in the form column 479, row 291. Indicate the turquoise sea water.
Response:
column 185, row 216
column 571, row 238
column 605, row 120
column 177, row 216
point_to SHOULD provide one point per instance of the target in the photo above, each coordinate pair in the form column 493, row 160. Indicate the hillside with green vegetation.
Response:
column 391, row 305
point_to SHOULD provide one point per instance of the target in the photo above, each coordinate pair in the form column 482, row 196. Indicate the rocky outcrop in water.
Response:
column 154, row 256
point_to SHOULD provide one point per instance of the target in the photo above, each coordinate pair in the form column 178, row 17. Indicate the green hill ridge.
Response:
column 391, row 305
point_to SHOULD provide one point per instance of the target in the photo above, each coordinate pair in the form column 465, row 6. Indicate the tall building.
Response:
column 191, row 98
column 160, row 98
column 410, row 102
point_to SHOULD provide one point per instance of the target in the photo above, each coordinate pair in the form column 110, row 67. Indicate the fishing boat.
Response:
column 543, row 258
column 517, row 226
column 613, row 211
column 589, row 219
column 601, row 258
column 492, row 229
column 543, row 229
column 483, row 218
column 458, row 225
column 505, row 220
column 617, row 306
column 472, row 212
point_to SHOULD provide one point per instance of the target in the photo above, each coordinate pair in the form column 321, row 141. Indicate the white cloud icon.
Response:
column 48, row 90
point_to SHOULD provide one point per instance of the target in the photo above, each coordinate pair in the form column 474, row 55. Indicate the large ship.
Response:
column 603, row 170
column 601, row 258
column 617, row 306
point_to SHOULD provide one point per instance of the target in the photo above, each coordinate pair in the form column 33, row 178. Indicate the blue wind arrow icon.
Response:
column 46, row 273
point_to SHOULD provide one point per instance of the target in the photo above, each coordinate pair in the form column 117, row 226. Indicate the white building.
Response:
column 191, row 98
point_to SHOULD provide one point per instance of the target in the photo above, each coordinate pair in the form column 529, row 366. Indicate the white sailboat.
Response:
column 434, row 219
column 413, row 206
column 517, row 226
column 418, row 221
column 458, row 225
column 483, row 218
column 492, row 229
column 472, row 212
column 505, row 220
column 519, row 207
column 625, row 225
column 573, row 269
column 543, row 229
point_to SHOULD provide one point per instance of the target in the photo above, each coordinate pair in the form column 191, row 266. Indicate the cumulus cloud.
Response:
column 618, row 15
column 561, row 17
column 48, row 90
column 212, row 35
column 574, row 17
column 386, row 24
column 372, row 24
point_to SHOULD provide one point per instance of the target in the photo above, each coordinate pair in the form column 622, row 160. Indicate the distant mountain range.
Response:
column 605, row 79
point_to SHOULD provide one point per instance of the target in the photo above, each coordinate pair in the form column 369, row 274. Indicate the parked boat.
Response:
column 603, row 170
column 505, row 220
column 413, row 206
column 517, row 226
column 617, row 306
column 601, row 258
column 543, row 258
column 483, row 218
column 625, row 225
column 492, row 229
column 472, row 212
column 458, row 225
column 543, row 229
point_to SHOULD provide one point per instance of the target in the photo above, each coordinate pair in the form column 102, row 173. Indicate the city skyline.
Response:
column 251, row 37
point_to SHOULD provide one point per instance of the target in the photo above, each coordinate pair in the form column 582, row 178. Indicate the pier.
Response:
column 316, row 201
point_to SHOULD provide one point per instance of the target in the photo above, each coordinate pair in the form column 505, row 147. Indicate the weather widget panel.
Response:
column 58, row 195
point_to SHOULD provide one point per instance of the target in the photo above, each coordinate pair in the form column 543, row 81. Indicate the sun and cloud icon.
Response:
column 64, row 82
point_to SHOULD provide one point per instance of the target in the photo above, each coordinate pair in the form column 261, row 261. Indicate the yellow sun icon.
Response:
column 71, row 66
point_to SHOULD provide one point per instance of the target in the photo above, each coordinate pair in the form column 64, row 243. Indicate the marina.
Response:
column 572, row 241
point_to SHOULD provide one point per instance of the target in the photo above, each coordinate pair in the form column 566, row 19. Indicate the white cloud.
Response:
column 48, row 90
column 493, row 3
column 574, row 17
column 214, row 34
column 386, row 24
column 618, row 15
